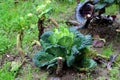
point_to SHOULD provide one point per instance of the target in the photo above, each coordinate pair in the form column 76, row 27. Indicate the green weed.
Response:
column 107, row 51
column 111, row 9
column 13, row 18
column 114, row 73
column 5, row 74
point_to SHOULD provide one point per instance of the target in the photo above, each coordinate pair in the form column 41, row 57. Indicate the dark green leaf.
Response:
column 109, row 1
column 50, row 66
column 66, row 41
column 100, row 5
column 45, row 36
column 56, row 50
column 74, row 50
column 70, row 60
column 82, row 41
column 42, row 59
column 86, row 63
column 86, row 41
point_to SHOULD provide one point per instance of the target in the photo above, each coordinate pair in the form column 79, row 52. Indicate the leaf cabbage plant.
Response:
column 105, row 3
column 71, row 45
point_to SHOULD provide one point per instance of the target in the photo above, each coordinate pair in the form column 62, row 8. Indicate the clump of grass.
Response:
column 114, row 73
column 5, row 74
column 111, row 9
column 107, row 51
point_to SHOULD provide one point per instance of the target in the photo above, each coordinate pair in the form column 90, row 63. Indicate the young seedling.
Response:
column 42, row 12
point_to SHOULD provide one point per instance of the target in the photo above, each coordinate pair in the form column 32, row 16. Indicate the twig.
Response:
column 54, row 21
column 99, row 55
column 35, row 42
column 112, row 59
column 107, row 58
column 73, row 22
column 19, row 44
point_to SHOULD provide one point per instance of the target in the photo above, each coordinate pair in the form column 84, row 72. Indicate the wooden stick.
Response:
column 54, row 21
column 19, row 44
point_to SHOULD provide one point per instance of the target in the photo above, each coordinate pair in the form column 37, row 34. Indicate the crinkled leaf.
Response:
column 44, row 44
column 89, row 63
column 44, row 39
column 78, row 39
column 45, row 36
column 86, row 63
column 60, row 33
column 109, row 1
column 74, row 50
column 87, row 40
column 56, row 50
column 66, row 41
column 70, row 60
column 15, row 66
column 100, row 5
column 50, row 65
column 42, row 59
column 44, row 12
column 82, row 41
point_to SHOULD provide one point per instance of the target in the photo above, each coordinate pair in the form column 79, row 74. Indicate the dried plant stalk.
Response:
column 54, row 21
column 40, row 27
column 59, row 66
column 19, row 44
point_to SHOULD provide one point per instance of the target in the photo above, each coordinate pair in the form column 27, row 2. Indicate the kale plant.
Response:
column 71, row 45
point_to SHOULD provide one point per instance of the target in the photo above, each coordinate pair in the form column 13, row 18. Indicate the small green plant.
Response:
column 43, row 77
column 4, row 44
column 28, row 76
column 42, row 10
column 42, row 13
column 114, row 73
column 71, row 46
column 18, row 17
column 107, row 51
column 5, row 74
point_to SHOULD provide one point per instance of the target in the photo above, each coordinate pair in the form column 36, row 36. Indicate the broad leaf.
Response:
column 86, row 63
column 42, row 59
column 70, row 60
column 66, row 41
column 60, row 33
column 15, row 66
column 109, row 1
column 56, row 50
column 100, row 5
column 44, row 12
column 82, row 41
column 45, row 36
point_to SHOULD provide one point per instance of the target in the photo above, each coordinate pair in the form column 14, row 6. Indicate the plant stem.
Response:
column 40, row 27
column 19, row 44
